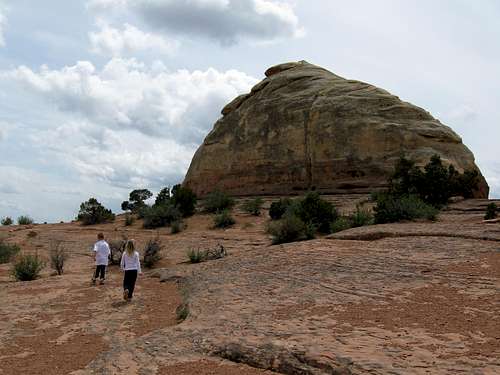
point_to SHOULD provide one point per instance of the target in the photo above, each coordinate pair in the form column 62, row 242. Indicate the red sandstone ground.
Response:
column 387, row 299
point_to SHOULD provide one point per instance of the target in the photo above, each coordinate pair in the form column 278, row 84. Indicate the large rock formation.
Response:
column 304, row 127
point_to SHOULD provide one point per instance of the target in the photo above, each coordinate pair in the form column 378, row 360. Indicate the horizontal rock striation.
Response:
column 304, row 128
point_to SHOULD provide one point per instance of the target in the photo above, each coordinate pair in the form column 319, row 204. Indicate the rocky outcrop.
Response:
column 304, row 127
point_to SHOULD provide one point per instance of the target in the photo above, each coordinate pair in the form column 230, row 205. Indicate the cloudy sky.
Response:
column 98, row 97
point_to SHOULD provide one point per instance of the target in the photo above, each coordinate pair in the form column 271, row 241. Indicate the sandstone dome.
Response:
column 304, row 128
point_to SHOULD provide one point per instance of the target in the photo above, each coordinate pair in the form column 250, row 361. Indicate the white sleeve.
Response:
column 122, row 262
column 138, row 263
column 95, row 247
column 109, row 250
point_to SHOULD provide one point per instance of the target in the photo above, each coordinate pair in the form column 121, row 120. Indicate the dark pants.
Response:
column 101, row 269
column 129, row 281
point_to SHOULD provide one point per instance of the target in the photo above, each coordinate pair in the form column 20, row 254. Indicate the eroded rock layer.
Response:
column 304, row 127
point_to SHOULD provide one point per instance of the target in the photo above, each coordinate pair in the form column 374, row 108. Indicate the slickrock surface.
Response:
column 304, row 127
column 411, row 298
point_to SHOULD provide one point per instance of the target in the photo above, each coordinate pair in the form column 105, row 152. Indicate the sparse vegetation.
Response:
column 289, row 228
column 491, row 211
column 217, row 201
column 390, row 209
column 312, row 209
column 361, row 217
column 27, row 267
column 152, row 252
column 340, row 224
column 253, row 206
column 7, row 251
column 197, row 255
column 177, row 226
column 161, row 216
column 58, row 256
column 7, row 221
column 278, row 208
column 223, row 220
column 32, row 234
column 129, row 219
column 182, row 312
column 92, row 212
column 117, row 248
column 24, row 220
column 184, row 199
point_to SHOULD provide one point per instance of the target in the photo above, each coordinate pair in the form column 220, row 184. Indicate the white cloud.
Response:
column 3, row 23
column 126, row 94
column 3, row 135
column 110, row 41
column 226, row 21
column 128, row 124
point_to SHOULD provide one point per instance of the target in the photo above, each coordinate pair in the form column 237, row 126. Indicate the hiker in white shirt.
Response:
column 102, row 252
column 131, row 264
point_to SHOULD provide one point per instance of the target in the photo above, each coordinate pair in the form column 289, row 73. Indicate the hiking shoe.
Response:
column 101, row 282
column 93, row 281
column 125, row 294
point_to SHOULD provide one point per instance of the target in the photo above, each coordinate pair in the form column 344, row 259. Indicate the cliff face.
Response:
column 304, row 127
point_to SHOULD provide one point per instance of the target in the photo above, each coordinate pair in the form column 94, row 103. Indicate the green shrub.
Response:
column 92, row 212
column 129, row 219
column 361, row 217
column 160, row 216
column 58, row 256
column 217, row 201
column 27, row 267
column 313, row 209
column 7, row 221
column 152, row 252
column 253, row 206
column 177, row 226
column 163, row 197
column 7, row 251
column 491, row 211
column 223, row 220
column 196, row 256
column 24, row 220
column 289, row 228
column 390, row 209
column 184, row 199
column 435, row 184
column 340, row 224
column 182, row 312
column 278, row 208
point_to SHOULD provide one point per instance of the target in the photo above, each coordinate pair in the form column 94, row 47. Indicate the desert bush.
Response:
column 163, row 197
column 24, row 220
column 177, row 226
column 184, row 199
column 223, row 220
column 32, row 234
column 313, row 209
column 161, row 216
column 491, row 211
column 182, row 312
column 435, row 184
column 58, row 256
column 390, row 209
column 289, row 228
column 198, row 256
column 152, row 252
column 340, row 224
column 7, row 221
column 92, row 212
column 253, row 206
column 361, row 217
column 278, row 208
column 129, row 219
column 217, row 201
column 7, row 251
column 117, row 248
column 27, row 267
